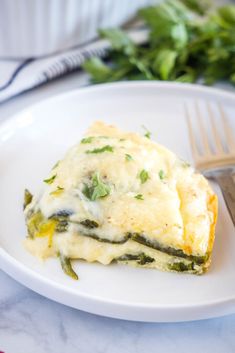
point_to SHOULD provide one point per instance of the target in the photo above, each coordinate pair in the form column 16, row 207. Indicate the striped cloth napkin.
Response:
column 18, row 76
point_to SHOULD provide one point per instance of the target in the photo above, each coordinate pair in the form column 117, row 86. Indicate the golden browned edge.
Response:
column 212, row 207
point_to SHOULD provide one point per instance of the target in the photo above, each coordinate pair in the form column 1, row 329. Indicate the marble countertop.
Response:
column 30, row 323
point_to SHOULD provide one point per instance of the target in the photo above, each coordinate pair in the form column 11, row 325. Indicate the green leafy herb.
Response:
column 67, row 267
column 97, row 189
column 50, row 180
column 147, row 133
column 165, row 62
column 119, row 41
column 56, row 165
column 98, row 69
column 144, row 176
column 201, row 7
column 161, row 174
column 185, row 164
column 187, row 40
column 58, row 191
column 87, row 139
column 139, row 197
column 106, row 148
column 128, row 157
column 27, row 198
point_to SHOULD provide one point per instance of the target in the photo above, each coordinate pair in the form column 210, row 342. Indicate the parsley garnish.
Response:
column 185, row 164
column 87, row 139
column 97, row 189
column 106, row 148
column 161, row 174
column 57, row 191
column 56, row 165
column 185, row 41
column 147, row 133
column 50, row 180
column 128, row 157
column 144, row 176
column 139, row 197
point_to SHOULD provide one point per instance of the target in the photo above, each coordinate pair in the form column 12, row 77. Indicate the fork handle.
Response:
column 227, row 186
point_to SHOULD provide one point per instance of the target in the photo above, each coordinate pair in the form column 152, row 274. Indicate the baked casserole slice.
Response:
column 120, row 197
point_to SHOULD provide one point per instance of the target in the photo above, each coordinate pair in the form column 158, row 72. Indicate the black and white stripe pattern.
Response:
column 70, row 62
column 28, row 74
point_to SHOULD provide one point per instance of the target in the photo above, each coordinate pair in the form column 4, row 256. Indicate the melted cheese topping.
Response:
column 174, row 210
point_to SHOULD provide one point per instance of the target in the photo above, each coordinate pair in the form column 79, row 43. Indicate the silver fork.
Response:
column 214, row 156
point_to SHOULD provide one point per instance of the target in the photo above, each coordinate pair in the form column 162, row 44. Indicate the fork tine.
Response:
column 230, row 140
column 205, row 142
column 216, row 137
column 194, row 149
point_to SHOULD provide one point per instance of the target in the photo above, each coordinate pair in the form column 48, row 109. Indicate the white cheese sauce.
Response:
column 172, row 208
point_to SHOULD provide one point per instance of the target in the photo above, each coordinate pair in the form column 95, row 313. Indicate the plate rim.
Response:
column 102, row 86
column 10, row 265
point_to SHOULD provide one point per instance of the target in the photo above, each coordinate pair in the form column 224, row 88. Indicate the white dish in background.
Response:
column 42, row 27
column 33, row 140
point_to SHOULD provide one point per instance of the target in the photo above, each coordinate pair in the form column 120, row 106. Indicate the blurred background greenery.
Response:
column 187, row 41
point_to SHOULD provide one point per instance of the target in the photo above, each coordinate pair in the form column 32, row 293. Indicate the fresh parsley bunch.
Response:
column 186, row 42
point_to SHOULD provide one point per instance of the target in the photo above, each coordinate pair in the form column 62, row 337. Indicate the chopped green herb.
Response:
column 27, row 198
column 121, row 140
column 97, row 190
column 67, row 267
column 57, row 191
column 144, row 176
column 50, row 180
column 128, row 157
column 139, row 197
column 56, row 165
column 161, row 174
column 87, row 139
column 147, row 133
column 106, row 148
column 185, row 164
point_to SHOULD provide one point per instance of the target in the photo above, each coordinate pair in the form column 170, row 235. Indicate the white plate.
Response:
column 33, row 140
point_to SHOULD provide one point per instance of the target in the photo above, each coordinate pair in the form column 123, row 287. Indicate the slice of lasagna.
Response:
column 120, row 197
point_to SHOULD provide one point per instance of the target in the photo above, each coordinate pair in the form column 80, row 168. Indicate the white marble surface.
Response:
column 30, row 323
